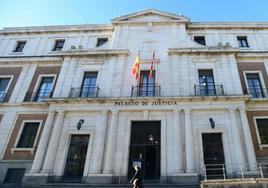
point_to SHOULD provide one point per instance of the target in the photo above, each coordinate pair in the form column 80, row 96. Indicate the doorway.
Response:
column 145, row 148
column 213, row 155
column 76, row 158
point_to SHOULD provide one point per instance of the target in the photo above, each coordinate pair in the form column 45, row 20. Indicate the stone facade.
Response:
column 184, row 113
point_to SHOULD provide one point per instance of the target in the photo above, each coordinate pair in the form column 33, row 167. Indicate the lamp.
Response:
column 212, row 123
column 79, row 124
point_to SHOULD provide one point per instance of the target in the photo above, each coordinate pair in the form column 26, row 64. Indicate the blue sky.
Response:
column 63, row 12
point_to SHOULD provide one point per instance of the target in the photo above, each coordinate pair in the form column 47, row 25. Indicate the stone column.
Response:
column 53, row 144
column 237, row 145
column 42, row 146
column 100, row 142
column 110, row 150
column 248, row 141
column 177, row 142
column 189, row 146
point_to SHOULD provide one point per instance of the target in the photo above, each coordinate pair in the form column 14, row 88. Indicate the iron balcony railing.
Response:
column 208, row 90
column 146, row 91
column 2, row 96
column 84, row 92
column 37, row 96
column 257, row 92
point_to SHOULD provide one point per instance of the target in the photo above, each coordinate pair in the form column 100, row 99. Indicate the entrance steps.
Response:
column 145, row 185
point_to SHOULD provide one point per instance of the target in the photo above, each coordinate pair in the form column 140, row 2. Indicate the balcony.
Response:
column 146, row 91
column 84, row 92
column 257, row 92
column 211, row 90
column 37, row 96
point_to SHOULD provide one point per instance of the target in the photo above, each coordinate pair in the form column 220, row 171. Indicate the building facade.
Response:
column 72, row 111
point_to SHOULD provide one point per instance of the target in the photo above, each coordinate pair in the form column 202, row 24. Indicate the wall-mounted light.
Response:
column 79, row 124
column 212, row 123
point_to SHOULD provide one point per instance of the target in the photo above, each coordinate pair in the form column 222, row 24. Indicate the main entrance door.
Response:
column 145, row 148
column 213, row 155
column 76, row 158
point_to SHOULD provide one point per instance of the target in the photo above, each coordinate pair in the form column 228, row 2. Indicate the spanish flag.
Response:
column 152, row 68
column 136, row 67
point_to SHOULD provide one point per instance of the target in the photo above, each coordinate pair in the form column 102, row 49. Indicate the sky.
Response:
column 15, row 13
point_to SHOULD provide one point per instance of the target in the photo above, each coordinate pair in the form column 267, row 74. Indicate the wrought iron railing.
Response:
column 146, row 91
column 37, row 96
column 2, row 96
column 84, row 92
column 208, row 90
column 257, row 92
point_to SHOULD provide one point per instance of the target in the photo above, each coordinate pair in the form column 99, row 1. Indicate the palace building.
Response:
column 72, row 111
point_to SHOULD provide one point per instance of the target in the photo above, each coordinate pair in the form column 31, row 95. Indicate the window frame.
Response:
column 261, row 80
column 15, row 148
column 83, row 79
column 54, row 45
column 39, row 79
column 238, row 41
column 10, row 81
column 16, row 45
column 261, row 146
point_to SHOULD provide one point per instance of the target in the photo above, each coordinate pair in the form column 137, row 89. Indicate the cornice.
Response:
column 203, row 50
column 228, row 25
column 56, row 29
column 97, row 52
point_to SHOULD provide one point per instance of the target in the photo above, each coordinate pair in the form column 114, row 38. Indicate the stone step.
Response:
column 146, row 185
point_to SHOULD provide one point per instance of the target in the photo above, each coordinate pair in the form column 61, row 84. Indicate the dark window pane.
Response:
column 89, row 86
column 206, row 83
column 242, row 41
column 28, row 135
column 200, row 40
column 147, row 84
column 20, row 46
column 254, row 85
column 101, row 41
column 59, row 45
column 3, row 86
column 14, row 175
column 263, row 130
column 45, row 88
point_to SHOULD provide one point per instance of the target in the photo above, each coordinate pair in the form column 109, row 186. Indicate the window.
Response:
column 242, row 42
column 4, row 82
column 200, row 40
column 45, row 88
column 101, row 41
column 20, row 45
column 254, row 85
column 58, row 45
column 89, row 86
column 28, row 135
column 262, row 125
column 14, row 175
column 206, row 83
column 147, row 84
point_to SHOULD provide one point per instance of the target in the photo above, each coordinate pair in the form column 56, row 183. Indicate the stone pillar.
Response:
column 100, row 142
column 248, row 141
column 236, row 137
column 110, row 150
column 177, row 142
column 189, row 146
column 53, row 144
column 42, row 147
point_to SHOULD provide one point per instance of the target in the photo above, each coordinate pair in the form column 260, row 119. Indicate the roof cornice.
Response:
column 56, row 29
column 225, row 25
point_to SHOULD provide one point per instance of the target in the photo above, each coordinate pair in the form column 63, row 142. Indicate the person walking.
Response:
column 137, row 178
